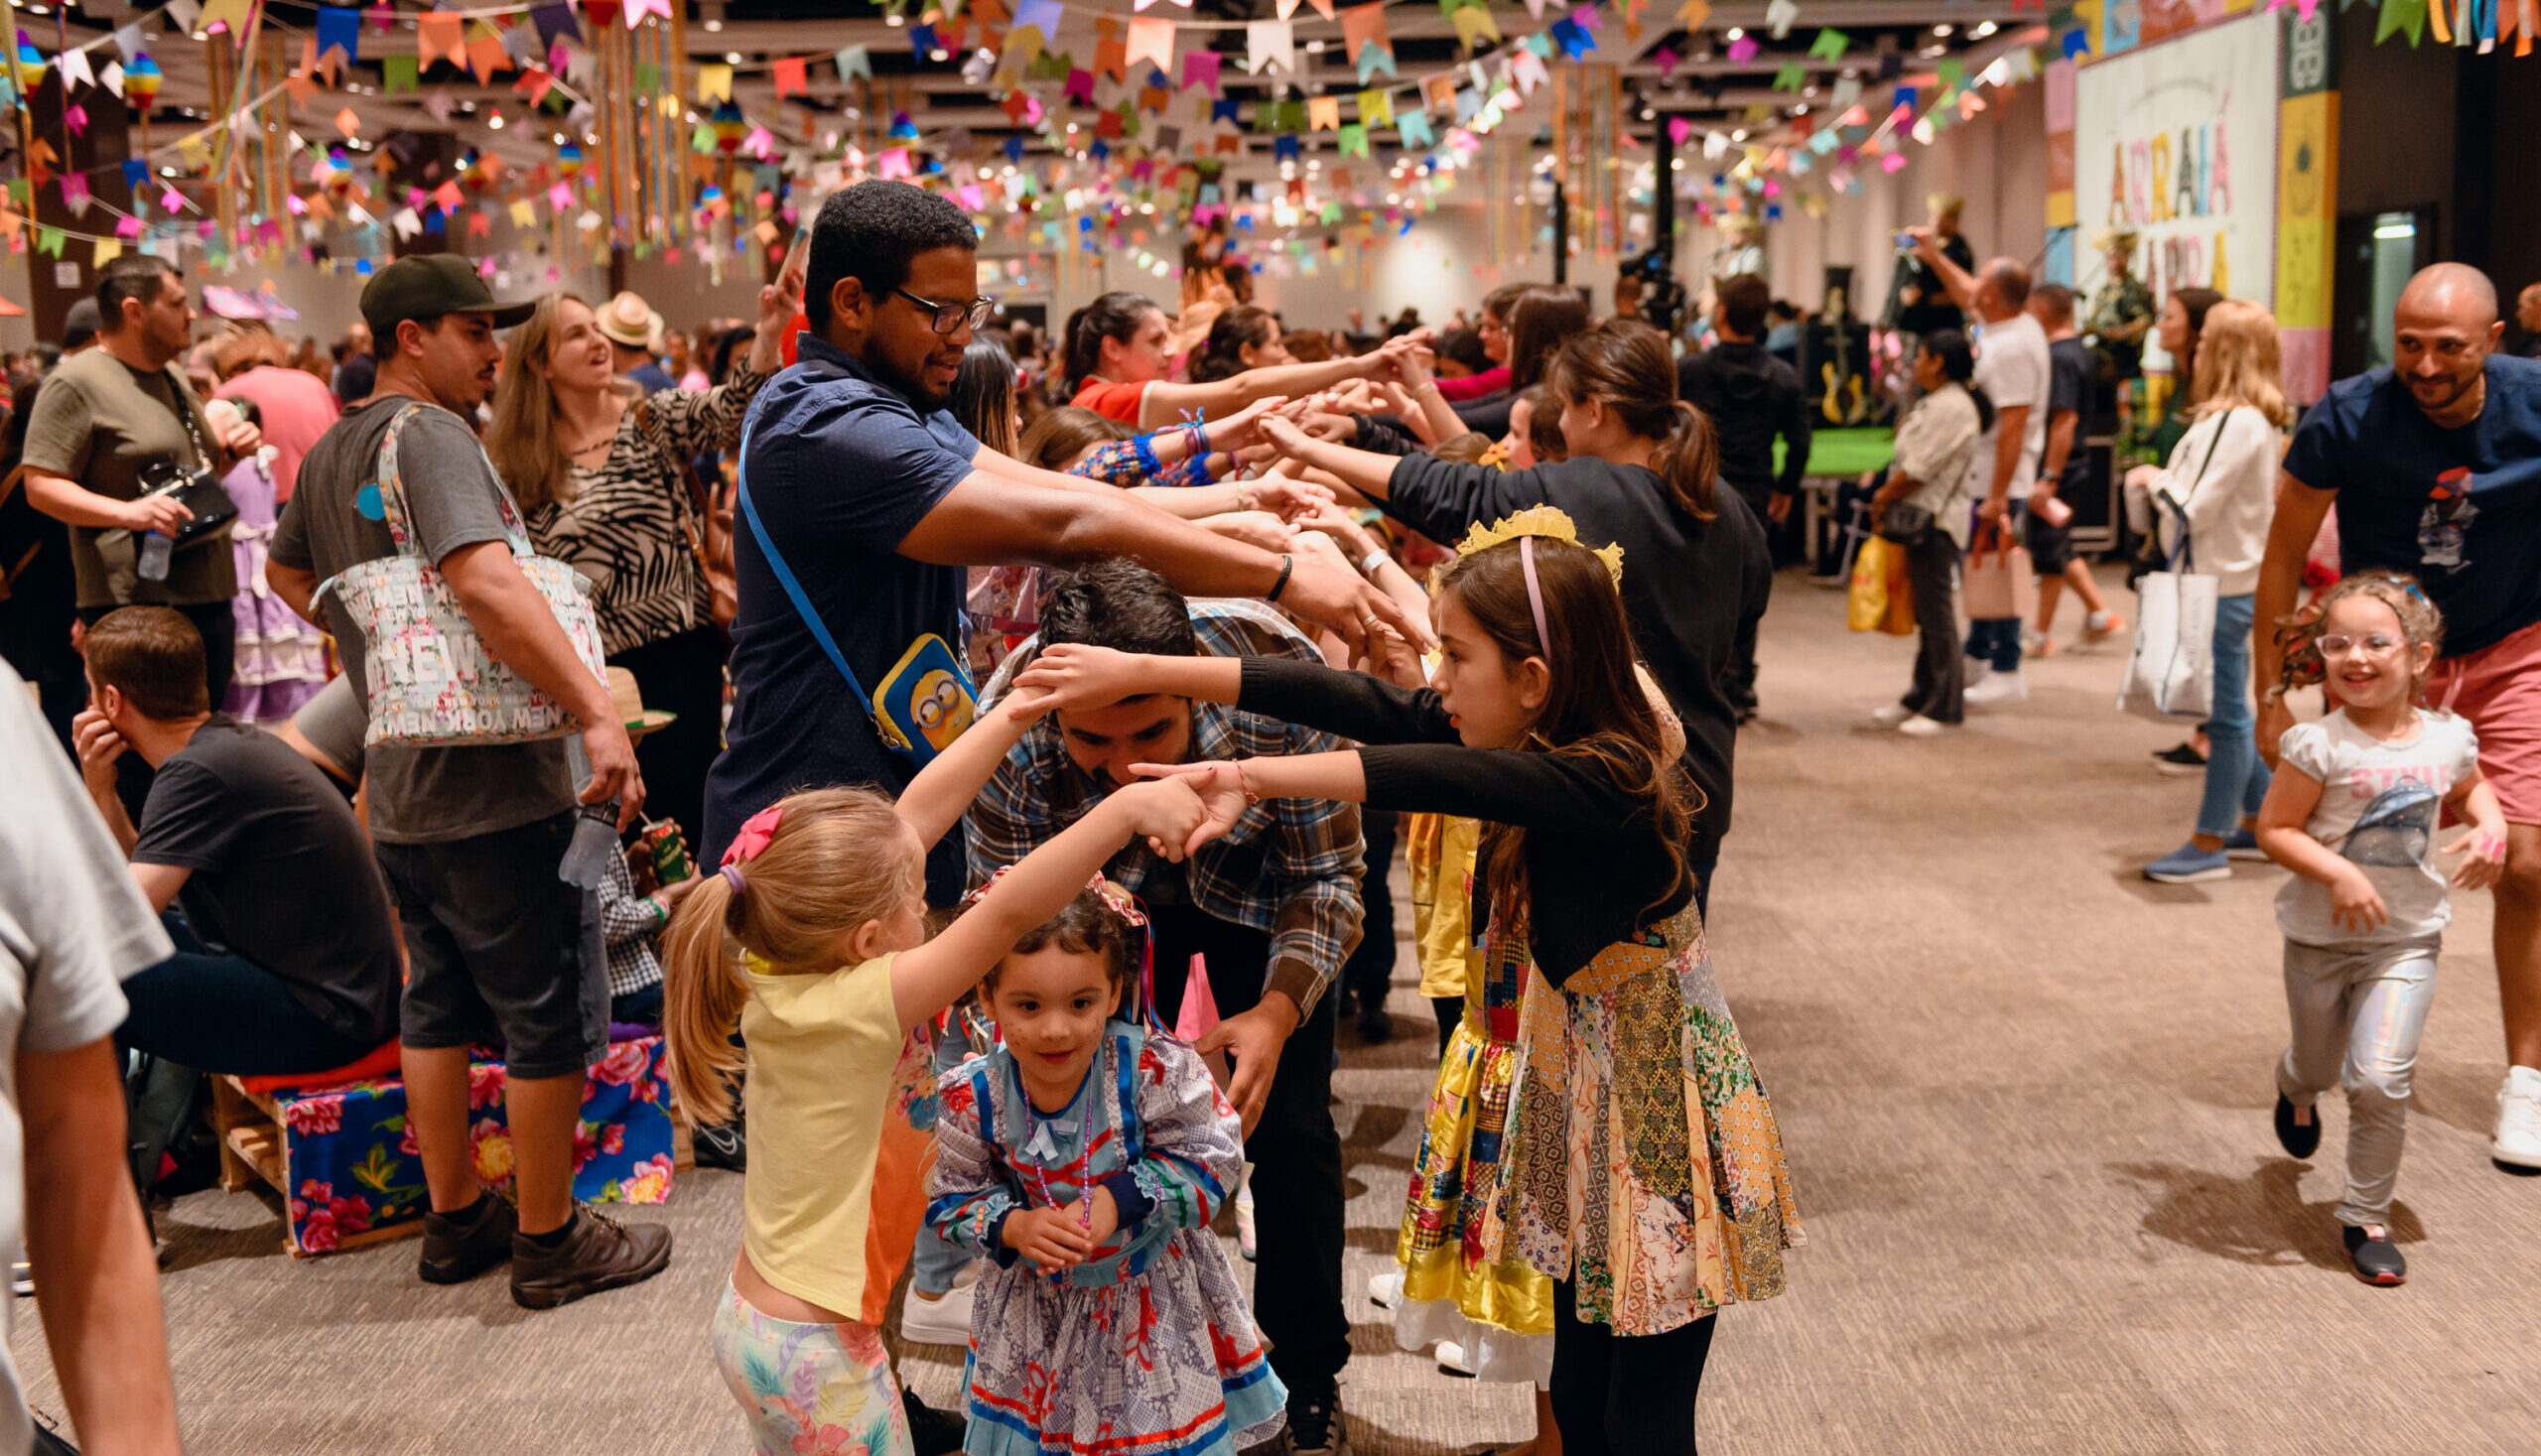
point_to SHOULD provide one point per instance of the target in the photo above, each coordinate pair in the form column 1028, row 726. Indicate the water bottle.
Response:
column 154, row 550
column 595, row 829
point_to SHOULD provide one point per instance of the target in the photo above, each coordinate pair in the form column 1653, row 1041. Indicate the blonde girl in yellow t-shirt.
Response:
column 812, row 942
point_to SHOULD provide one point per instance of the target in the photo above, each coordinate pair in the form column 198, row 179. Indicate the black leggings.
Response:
column 1623, row 1395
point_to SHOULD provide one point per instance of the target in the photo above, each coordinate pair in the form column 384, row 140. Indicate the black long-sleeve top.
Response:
column 1751, row 397
column 1597, row 869
column 1690, row 587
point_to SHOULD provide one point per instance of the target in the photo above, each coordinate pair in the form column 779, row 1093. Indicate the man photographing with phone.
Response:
column 109, row 422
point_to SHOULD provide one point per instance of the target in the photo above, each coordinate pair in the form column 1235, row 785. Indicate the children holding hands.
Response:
column 812, row 942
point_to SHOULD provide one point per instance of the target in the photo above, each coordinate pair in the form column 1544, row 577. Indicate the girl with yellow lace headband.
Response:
column 1641, row 1170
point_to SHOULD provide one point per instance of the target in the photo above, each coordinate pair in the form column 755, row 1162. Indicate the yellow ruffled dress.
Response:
column 1500, row 1312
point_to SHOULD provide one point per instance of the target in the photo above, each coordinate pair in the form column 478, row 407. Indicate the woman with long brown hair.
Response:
column 1542, row 320
column 602, row 480
column 1643, row 473
column 1119, row 357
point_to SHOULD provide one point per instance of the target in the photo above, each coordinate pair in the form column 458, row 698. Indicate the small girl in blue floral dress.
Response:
column 1087, row 1156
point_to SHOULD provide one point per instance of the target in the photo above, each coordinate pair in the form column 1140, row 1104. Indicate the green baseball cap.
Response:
column 426, row 285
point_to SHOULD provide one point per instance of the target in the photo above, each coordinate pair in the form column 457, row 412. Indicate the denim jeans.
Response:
column 1997, row 641
column 225, row 1013
column 2235, row 776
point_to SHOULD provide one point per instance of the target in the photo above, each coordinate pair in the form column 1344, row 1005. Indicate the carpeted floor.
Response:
column 2025, row 1092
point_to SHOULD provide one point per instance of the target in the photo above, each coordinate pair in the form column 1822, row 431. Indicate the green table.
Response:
column 1834, row 456
column 1846, row 453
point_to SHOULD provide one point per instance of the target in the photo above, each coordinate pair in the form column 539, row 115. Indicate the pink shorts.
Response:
column 2498, row 689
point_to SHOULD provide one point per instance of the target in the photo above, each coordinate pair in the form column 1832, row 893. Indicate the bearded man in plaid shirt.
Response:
column 1273, row 908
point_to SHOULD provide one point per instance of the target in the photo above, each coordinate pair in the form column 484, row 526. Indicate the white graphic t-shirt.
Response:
column 2380, row 806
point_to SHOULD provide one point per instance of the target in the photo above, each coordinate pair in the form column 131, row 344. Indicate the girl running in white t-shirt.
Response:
column 2353, row 812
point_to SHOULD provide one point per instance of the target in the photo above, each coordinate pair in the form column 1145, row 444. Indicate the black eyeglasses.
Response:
column 949, row 316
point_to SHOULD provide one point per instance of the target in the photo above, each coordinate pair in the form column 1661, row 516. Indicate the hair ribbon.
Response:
column 1535, row 594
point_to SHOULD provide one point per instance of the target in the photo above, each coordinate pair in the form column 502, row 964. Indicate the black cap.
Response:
column 428, row 286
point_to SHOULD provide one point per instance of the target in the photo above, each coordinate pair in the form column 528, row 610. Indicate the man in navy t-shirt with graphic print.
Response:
column 2435, row 465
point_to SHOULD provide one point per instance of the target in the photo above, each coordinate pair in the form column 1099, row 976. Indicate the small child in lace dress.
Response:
column 1086, row 1157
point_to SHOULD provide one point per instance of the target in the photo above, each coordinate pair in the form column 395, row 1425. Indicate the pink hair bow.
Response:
column 753, row 836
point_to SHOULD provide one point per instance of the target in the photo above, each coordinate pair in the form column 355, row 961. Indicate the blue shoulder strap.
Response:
column 793, row 588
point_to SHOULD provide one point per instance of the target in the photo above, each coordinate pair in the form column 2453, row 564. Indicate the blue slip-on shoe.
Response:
column 2242, row 844
column 2189, row 864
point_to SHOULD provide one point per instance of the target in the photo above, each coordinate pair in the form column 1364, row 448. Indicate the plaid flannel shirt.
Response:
column 1289, row 867
column 631, row 926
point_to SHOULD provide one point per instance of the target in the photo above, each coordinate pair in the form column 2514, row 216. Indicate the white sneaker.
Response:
column 1920, row 726
column 1453, row 1360
column 1998, row 688
column 1975, row 670
column 2518, row 1139
column 1385, row 1291
column 944, row 1321
column 2037, row 643
column 1892, row 715
column 2099, row 627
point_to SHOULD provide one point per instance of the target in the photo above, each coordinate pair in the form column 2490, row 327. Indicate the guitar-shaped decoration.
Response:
column 1839, row 373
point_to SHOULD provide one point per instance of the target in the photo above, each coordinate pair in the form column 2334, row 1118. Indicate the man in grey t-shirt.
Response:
column 107, row 415
column 470, row 838
column 72, row 926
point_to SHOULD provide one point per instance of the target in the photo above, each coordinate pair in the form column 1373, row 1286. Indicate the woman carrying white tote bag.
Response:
column 2214, row 503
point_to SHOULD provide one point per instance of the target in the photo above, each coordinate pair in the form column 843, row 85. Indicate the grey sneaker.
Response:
column 600, row 1253
column 457, row 1250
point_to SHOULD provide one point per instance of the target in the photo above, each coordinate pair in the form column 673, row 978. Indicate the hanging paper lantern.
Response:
column 479, row 170
column 730, row 127
column 569, row 161
column 902, row 129
column 141, row 80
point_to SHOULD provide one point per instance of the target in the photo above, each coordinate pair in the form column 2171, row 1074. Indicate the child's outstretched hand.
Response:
column 1219, row 784
column 1075, row 675
column 1050, row 1236
column 2483, row 859
column 2355, row 905
column 1170, row 813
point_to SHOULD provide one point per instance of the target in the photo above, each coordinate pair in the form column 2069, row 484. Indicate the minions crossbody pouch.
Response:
column 923, row 703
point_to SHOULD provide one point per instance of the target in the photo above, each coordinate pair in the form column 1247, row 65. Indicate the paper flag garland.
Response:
column 854, row 61
column 1363, row 26
column 1829, row 46
column 1269, row 43
column 1779, row 16
column 1150, row 39
column 1744, row 48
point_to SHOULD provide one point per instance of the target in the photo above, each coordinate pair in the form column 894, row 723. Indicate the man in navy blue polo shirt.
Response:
column 2435, row 465
column 877, row 499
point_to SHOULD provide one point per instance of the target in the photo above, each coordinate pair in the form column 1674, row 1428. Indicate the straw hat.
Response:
column 629, row 704
column 628, row 321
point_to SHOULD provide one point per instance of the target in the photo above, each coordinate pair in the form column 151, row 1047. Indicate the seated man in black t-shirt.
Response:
column 259, row 851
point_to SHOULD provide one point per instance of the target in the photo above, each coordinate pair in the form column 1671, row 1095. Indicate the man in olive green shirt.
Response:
column 107, row 415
